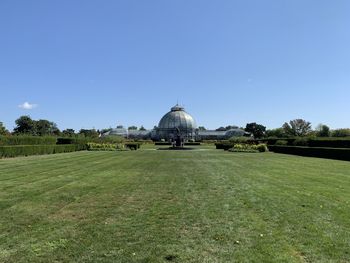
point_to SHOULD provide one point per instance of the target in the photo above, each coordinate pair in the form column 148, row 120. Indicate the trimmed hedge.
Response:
column 209, row 141
column 162, row 143
column 224, row 145
column 193, row 143
column 27, row 140
column 328, row 142
column 65, row 140
column 321, row 152
column 84, row 140
column 141, row 141
column 26, row 150
column 332, row 143
column 133, row 146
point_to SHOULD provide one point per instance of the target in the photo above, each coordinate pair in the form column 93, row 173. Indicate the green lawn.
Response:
column 174, row 206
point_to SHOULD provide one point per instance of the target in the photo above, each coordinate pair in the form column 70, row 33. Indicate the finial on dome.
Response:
column 177, row 107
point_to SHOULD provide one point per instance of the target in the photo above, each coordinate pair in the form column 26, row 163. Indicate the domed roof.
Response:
column 177, row 117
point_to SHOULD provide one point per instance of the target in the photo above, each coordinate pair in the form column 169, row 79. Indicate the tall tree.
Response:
column 45, row 127
column 257, row 130
column 133, row 127
column 297, row 127
column 202, row 128
column 323, row 131
column 142, row 128
column 25, row 125
column 3, row 130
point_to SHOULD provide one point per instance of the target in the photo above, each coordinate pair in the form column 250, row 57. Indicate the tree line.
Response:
column 293, row 128
column 26, row 125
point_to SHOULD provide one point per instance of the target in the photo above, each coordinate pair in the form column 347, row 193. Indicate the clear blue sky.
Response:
column 102, row 63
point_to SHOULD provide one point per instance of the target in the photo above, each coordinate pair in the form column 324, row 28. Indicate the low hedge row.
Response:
column 193, row 143
column 26, row 150
column 321, row 152
column 311, row 142
column 332, row 143
column 27, row 140
column 162, row 143
column 92, row 146
column 84, row 140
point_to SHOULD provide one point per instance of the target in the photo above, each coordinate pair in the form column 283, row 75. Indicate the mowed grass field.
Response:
column 174, row 206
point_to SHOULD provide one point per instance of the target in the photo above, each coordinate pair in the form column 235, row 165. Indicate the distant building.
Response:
column 176, row 126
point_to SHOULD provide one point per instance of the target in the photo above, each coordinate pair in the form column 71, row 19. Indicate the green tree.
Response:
column 25, row 125
column 297, row 127
column 230, row 127
column 340, row 133
column 202, row 128
column 323, row 130
column 142, row 128
column 132, row 127
column 68, row 132
column 3, row 130
column 257, row 130
column 45, row 127
column 278, row 133
column 91, row 133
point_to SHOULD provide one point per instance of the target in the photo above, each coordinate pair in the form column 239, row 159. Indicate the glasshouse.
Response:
column 176, row 126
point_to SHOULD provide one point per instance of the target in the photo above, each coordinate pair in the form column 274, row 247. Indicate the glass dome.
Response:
column 177, row 122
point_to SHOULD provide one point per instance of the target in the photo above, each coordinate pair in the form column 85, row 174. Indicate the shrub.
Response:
column 281, row 142
column 225, row 145
column 133, row 146
column 262, row 147
column 92, row 146
column 244, row 148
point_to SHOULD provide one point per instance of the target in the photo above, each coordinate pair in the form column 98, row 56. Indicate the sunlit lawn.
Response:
column 182, row 206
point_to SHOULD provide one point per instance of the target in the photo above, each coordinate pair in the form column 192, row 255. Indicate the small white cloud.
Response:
column 27, row 106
